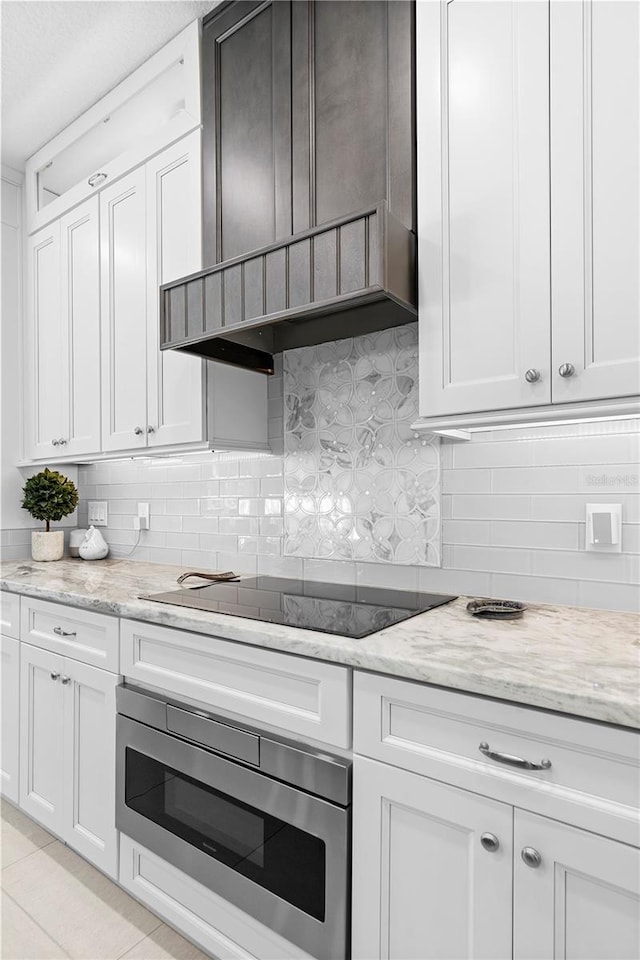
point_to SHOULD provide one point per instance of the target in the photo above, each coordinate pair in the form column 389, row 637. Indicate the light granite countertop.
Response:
column 569, row 659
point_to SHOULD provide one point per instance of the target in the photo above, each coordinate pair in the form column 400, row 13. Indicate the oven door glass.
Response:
column 276, row 855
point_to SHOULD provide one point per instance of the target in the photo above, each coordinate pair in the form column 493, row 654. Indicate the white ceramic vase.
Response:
column 94, row 546
column 47, row 546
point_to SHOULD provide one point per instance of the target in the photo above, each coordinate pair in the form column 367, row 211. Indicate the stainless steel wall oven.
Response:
column 262, row 821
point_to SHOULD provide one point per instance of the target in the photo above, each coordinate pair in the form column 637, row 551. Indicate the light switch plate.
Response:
column 98, row 513
column 604, row 527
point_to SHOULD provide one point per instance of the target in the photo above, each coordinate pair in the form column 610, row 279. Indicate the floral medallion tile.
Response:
column 359, row 483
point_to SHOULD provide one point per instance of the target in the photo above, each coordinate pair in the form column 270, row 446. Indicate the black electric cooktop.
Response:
column 326, row 607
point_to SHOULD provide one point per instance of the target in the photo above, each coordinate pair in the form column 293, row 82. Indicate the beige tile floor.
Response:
column 56, row 905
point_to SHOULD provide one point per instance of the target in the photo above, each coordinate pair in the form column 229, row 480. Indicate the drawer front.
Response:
column 435, row 732
column 80, row 634
column 299, row 695
column 10, row 614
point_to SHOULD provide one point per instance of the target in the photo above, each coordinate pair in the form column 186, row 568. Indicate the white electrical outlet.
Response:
column 604, row 527
column 98, row 513
column 143, row 517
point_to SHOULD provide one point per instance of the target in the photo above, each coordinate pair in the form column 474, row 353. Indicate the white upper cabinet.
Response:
column 528, row 210
column 124, row 313
column 44, row 345
column 174, row 249
column 62, row 336
column 483, row 204
column 595, row 198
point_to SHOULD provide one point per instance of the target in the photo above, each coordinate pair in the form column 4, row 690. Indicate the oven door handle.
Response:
column 215, row 735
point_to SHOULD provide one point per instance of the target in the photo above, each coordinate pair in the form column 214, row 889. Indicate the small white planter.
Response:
column 47, row 546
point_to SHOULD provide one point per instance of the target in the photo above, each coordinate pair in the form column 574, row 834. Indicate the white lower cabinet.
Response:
column 424, row 887
column 429, row 882
column 528, row 848
column 216, row 925
column 582, row 901
column 67, row 739
column 10, row 718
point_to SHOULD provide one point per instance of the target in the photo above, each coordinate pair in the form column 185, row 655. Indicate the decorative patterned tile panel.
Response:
column 359, row 484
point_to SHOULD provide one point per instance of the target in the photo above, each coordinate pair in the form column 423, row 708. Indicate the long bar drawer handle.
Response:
column 64, row 633
column 512, row 761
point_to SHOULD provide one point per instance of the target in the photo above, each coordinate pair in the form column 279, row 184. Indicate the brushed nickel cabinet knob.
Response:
column 532, row 375
column 531, row 857
column 566, row 370
column 151, row 429
column 138, row 431
column 490, row 842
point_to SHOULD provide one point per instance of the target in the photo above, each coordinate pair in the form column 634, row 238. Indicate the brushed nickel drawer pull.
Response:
column 64, row 633
column 96, row 179
column 512, row 761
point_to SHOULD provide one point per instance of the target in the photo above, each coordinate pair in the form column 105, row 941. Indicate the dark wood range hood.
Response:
column 309, row 180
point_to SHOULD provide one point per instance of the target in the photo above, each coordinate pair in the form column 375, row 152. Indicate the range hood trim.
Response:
column 391, row 262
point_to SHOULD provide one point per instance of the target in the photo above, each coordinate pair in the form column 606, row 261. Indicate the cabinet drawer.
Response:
column 10, row 614
column 299, row 695
column 79, row 634
column 437, row 732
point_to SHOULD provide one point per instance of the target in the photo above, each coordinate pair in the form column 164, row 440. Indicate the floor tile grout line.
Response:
column 26, row 857
column 30, row 854
column 125, row 952
column 39, row 925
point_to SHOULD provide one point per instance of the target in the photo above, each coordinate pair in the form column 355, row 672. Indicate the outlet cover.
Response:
column 98, row 513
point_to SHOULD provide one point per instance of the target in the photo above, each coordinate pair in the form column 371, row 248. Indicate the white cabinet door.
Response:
column 424, row 887
column 10, row 717
column 80, row 308
column 582, row 902
column 174, row 249
column 483, row 204
column 41, row 736
column 595, row 200
column 45, row 346
column 124, row 320
column 89, row 763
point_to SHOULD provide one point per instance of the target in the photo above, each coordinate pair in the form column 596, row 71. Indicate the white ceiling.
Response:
column 60, row 56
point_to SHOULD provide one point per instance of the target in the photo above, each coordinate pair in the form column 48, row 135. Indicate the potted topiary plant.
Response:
column 48, row 496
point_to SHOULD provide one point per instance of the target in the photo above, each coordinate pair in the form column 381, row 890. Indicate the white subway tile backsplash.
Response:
column 499, row 453
column 386, row 575
column 505, row 586
column 621, row 448
column 609, row 596
column 201, row 560
column 488, row 558
column 471, row 583
column 246, row 526
column 240, row 488
column 512, row 505
column 218, row 507
column 466, row 531
column 605, row 567
column 200, row 524
column 182, row 508
column 217, row 542
column 487, row 507
column 536, row 535
column 533, row 479
column 160, row 521
column 466, row 481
